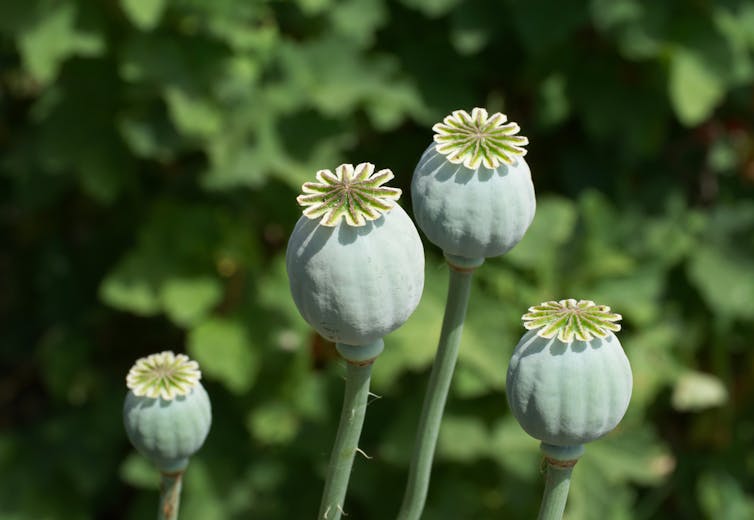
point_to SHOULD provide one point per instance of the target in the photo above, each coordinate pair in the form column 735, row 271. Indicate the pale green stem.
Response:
column 346, row 440
column 557, row 482
column 170, row 495
column 560, row 461
column 437, row 391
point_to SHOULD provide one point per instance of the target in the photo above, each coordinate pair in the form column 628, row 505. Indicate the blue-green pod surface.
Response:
column 352, row 284
column 355, row 260
column 567, row 391
column 168, row 432
column 470, row 198
column 167, row 413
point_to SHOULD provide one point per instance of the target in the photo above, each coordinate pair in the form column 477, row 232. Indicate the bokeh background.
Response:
column 150, row 155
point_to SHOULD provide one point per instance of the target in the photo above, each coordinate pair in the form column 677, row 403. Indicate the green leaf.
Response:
column 52, row 39
column 359, row 19
column 432, row 8
column 273, row 423
column 64, row 365
column 192, row 115
column 224, row 352
column 695, row 391
column 234, row 161
column 608, row 14
column 514, row 450
column 130, row 287
column 231, row 22
column 746, row 21
column 201, row 498
column 553, row 226
column 388, row 106
column 553, row 106
column 144, row 14
column 150, row 136
column 725, row 280
column 671, row 238
column 178, row 253
column 636, row 297
column 604, row 256
column 598, row 489
column 539, row 32
column 190, row 64
column 314, row 6
column 137, row 471
column 721, row 497
column 650, row 351
column 336, row 79
column 628, row 454
column 463, row 439
column 695, row 88
column 472, row 28
column 188, row 300
column 736, row 30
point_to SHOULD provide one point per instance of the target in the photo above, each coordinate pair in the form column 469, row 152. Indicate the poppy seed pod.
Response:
column 167, row 412
column 472, row 192
column 569, row 381
column 355, row 261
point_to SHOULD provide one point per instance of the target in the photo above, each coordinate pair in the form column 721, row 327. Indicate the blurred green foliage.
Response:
column 150, row 154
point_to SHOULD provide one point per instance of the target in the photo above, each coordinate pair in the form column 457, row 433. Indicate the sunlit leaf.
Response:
column 139, row 472
column 144, row 14
column 596, row 485
column 432, row 8
column 514, row 449
column 695, row 89
column 187, row 300
column 695, row 391
column 273, row 423
column 462, row 438
column 54, row 38
column 721, row 496
column 130, row 287
column 193, row 116
column 553, row 225
column 224, row 352
column 725, row 279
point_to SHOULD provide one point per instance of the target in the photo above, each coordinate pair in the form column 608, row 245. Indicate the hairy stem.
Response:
column 557, row 482
column 170, row 495
column 346, row 440
column 437, row 393
column 560, row 461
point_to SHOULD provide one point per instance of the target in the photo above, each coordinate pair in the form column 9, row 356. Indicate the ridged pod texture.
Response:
column 353, row 284
column 168, row 432
column 568, row 394
column 472, row 213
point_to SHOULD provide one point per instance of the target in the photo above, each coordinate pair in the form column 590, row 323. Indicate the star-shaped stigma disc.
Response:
column 164, row 375
column 479, row 139
column 570, row 319
column 354, row 193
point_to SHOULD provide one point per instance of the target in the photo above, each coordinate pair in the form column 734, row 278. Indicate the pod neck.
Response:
column 462, row 263
column 361, row 355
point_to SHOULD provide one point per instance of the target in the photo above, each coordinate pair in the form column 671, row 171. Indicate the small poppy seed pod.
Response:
column 472, row 192
column 167, row 413
column 355, row 260
column 569, row 381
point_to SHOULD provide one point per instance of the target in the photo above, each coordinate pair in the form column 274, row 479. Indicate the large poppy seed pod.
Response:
column 569, row 381
column 355, row 260
column 471, row 191
column 167, row 413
